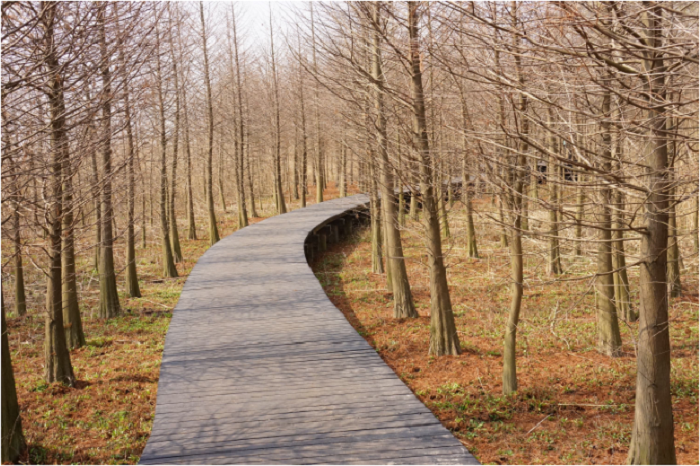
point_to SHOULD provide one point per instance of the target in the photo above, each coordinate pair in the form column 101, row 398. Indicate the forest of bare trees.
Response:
column 126, row 125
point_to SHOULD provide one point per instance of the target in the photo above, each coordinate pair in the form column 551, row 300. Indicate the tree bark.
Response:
column 396, row 267
column 443, row 333
column 652, row 435
column 320, row 180
column 172, row 217
column 169, row 269
column 13, row 441
column 552, row 183
column 57, row 363
column 132, row 280
column 208, row 183
column 281, row 205
column 109, row 299
column 609, row 340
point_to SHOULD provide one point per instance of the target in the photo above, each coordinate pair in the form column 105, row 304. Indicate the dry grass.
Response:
column 574, row 405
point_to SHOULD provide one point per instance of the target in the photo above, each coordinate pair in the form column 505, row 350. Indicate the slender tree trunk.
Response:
column 72, row 322
column 580, row 201
column 515, row 180
column 552, row 182
column 172, row 217
column 609, row 341
column 240, row 160
column 13, row 442
column 97, row 195
column 375, row 220
column 396, row 267
column 472, row 250
column 213, row 228
column 251, row 187
column 220, row 176
column 169, row 269
column 320, row 180
column 652, row 435
column 109, row 299
column 443, row 333
column 57, row 362
column 16, row 232
column 343, row 168
column 281, row 205
column 132, row 280
column 191, row 225
column 304, row 135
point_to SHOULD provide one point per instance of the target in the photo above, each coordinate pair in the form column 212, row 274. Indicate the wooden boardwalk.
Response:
column 260, row 367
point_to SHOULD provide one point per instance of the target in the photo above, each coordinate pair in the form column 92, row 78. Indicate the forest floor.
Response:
column 573, row 405
column 106, row 418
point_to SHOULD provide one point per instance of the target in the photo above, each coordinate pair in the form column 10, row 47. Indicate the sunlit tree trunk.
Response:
column 132, row 280
column 552, row 182
column 609, row 341
column 57, row 362
column 320, row 180
column 652, row 435
column 516, row 170
column 109, row 299
column 396, row 267
column 169, row 269
column 172, row 217
column 443, row 333
column 281, row 205
column 208, row 183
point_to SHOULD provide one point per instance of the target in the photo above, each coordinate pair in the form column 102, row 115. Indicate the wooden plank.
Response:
column 259, row 367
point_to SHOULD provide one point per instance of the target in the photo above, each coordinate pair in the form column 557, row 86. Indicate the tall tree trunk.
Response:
column 375, row 219
column 295, row 181
column 622, row 284
column 652, row 439
column 396, row 267
column 304, row 135
column 343, row 169
column 132, row 280
column 251, row 186
column 169, row 269
column 472, row 250
column 320, row 180
column 609, row 341
column 578, row 231
column 109, row 299
column 191, row 225
column 57, row 363
column 240, row 160
column 13, row 442
column 281, row 205
column 16, row 232
column 172, row 217
column 443, row 333
column 515, row 180
column 72, row 322
column 97, row 195
column 552, row 182
column 208, row 183
column 220, row 175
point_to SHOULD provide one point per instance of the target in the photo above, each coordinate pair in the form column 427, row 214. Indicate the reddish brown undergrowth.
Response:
column 573, row 404
column 107, row 417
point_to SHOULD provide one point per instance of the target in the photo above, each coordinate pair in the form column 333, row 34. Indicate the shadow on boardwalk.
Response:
column 260, row 367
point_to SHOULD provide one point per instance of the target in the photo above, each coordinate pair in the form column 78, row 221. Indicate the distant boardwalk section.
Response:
column 259, row 367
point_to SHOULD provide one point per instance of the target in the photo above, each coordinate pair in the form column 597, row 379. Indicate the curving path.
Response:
column 260, row 367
